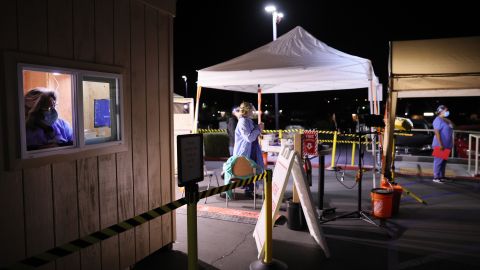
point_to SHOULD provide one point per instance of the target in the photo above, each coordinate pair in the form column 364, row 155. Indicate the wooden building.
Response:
column 58, row 196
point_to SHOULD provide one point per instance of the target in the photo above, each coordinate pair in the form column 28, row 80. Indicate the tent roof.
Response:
column 295, row 62
column 440, row 65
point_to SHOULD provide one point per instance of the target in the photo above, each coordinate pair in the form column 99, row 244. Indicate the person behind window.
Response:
column 43, row 127
column 246, row 140
column 443, row 129
column 231, row 125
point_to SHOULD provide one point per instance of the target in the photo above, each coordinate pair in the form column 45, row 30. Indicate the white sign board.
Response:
column 308, row 207
column 281, row 174
column 288, row 162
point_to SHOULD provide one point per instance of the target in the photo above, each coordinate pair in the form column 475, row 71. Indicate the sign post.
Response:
column 190, row 172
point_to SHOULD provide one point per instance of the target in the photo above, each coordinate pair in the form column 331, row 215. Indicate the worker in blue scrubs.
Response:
column 443, row 129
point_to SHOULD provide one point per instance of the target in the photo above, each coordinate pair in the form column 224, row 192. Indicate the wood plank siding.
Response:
column 51, row 203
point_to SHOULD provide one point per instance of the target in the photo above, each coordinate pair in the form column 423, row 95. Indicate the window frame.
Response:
column 119, row 98
column 79, row 142
column 14, row 109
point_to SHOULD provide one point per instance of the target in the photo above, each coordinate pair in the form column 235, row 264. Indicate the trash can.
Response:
column 382, row 200
column 295, row 217
column 397, row 194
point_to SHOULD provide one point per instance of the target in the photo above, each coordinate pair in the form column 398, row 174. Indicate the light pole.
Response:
column 276, row 18
column 186, row 85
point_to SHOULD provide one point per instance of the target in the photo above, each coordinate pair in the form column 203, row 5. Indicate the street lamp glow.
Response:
column 270, row 8
column 276, row 18
column 186, row 85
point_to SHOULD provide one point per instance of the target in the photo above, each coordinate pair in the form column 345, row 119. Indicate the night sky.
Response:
column 210, row 32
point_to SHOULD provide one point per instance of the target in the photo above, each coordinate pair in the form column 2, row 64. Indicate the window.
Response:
column 181, row 108
column 67, row 110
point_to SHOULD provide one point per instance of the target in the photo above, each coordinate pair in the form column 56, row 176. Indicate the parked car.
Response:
column 418, row 144
column 461, row 139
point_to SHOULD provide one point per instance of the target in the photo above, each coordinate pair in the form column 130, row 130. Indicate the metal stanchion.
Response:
column 191, row 194
column 334, row 150
column 268, row 262
column 353, row 155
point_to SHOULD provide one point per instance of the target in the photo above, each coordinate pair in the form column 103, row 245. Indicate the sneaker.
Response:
column 437, row 180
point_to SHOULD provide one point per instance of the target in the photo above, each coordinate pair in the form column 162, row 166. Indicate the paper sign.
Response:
column 189, row 158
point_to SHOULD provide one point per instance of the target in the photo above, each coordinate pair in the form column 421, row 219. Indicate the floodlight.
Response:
column 270, row 8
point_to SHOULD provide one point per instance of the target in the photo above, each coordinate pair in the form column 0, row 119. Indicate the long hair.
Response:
column 36, row 99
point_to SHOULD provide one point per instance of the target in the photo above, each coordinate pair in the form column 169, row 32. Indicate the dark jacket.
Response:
column 231, row 125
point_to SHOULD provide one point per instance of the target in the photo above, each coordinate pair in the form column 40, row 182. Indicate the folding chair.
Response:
column 240, row 168
column 210, row 174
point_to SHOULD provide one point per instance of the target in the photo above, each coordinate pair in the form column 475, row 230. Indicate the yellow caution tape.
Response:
column 86, row 241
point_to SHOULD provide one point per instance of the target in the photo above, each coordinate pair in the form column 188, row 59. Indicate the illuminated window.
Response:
column 67, row 110
column 100, row 103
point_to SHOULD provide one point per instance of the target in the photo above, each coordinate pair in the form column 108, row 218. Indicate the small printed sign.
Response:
column 310, row 146
column 189, row 158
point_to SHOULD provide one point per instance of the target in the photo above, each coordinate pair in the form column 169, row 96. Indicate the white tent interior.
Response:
column 430, row 68
column 295, row 62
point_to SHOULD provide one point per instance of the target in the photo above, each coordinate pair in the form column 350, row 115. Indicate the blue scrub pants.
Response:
column 439, row 165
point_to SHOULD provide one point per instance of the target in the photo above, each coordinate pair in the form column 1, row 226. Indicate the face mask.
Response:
column 49, row 117
column 446, row 114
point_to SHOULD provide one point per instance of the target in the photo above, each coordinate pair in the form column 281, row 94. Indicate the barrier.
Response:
column 93, row 238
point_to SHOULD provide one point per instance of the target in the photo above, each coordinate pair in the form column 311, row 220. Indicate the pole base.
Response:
column 273, row 265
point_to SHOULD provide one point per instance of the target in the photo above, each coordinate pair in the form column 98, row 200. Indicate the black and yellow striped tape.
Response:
column 346, row 142
column 81, row 243
column 200, row 130
column 232, row 185
column 93, row 238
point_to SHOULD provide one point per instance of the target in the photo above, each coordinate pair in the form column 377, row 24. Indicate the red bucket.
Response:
column 382, row 200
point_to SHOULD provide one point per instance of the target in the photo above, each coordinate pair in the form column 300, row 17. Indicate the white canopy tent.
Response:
column 295, row 62
column 430, row 68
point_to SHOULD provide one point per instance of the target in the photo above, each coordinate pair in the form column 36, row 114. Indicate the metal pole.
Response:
column 321, row 180
column 277, row 118
column 268, row 220
column 352, row 162
column 360, row 174
column 334, row 150
column 191, row 193
column 274, row 24
column 267, row 262
column 186, row 89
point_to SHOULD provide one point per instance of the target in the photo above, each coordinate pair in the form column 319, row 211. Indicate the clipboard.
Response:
column 443, row 154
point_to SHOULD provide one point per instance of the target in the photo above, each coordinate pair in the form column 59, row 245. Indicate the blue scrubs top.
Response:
column 446, row 131
column 62, row 131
